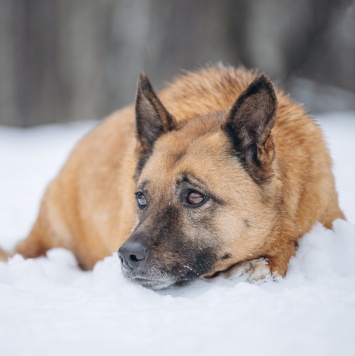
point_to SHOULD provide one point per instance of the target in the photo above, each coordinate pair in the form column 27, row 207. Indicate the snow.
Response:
column 50, row 307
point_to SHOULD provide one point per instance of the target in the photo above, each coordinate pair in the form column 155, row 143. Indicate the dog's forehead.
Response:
column 187, row 148
column 193, row 141
column 202, row 152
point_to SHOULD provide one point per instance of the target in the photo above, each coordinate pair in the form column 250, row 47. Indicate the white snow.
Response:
column 50, row 307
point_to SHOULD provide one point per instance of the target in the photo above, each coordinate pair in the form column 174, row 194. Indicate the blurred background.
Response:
column 71, row 60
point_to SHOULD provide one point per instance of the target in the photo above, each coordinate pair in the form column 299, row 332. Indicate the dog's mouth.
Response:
column 166, row 282
column 149, row 278
column 156, row 279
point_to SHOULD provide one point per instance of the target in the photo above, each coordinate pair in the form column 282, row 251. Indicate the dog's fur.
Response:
column 258, row 160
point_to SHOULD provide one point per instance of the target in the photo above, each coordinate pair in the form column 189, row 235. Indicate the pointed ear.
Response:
column 249, row 124
column 152, row 119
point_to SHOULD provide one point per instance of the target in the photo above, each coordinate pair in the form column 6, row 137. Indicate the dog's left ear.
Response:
column 152, row 118
column 249, row 123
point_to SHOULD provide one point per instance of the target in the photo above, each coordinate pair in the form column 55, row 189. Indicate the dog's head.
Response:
column 205, row 188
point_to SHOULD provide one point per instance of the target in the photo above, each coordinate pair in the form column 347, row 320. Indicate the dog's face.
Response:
column 203, row 189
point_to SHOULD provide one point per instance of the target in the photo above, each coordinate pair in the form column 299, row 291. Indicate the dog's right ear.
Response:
column 152, row 119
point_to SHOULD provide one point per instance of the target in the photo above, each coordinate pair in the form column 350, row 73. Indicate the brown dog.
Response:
column 220, row 169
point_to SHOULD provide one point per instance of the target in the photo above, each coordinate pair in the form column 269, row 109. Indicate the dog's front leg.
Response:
column 278, row 263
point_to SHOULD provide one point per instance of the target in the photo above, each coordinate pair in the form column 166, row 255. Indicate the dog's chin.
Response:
column 156, row 281
column 154, row 284
column 152, row 281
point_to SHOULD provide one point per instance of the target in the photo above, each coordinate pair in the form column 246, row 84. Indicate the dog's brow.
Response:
column 187, row 177
column 143, row 185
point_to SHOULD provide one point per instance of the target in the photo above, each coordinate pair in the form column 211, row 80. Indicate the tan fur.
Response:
column 3, row 255
column 90, row 207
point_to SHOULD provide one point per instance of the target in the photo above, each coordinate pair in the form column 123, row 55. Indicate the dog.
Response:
column 218, row 170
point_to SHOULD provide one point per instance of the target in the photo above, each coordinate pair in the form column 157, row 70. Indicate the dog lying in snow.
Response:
column 218, row 170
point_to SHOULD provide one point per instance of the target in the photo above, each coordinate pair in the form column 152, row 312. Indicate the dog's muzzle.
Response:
column 135, row 266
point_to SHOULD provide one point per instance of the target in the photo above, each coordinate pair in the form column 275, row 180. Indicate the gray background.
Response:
column 65, row 60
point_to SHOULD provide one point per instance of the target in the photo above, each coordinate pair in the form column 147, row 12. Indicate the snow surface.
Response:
column 50, row 307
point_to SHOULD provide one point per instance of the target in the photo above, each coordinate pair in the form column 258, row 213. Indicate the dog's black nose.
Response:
column 132, row 254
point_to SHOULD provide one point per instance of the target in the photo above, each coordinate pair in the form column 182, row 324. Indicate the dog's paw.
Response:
column 254, row 271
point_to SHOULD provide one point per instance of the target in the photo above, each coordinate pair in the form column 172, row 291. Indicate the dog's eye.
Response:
column 141, row 199
column 195, row 198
